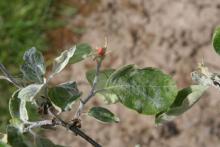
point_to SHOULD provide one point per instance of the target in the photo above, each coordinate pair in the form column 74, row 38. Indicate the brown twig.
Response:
column 73, row 128
column 77, row 131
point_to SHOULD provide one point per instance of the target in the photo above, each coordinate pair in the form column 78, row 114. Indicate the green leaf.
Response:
column 185, row 99
column 103, row 115
column 27, row 94
column 32, row 111
column 103, row 77
column 64, row 95
column 33, row 68
column 14, row 103
column 15, row 108
column 82, row 51
column 148, row 90
column 15, row 138
column 61, row 61
column 43, row 142
column 216, row 40
column 30, row 92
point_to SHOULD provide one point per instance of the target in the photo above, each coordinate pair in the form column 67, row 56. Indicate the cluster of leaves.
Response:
column 22, row 24
column 34, row 91
column 148, row 91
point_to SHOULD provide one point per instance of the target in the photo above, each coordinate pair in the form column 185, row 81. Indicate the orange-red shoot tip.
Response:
column 101, row 51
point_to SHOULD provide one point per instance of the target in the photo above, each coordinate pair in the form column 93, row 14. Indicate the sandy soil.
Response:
column 169, row 34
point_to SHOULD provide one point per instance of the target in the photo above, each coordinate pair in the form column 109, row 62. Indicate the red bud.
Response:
column 101, row 51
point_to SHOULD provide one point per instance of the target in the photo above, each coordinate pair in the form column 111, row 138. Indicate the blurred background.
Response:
column 168, row 34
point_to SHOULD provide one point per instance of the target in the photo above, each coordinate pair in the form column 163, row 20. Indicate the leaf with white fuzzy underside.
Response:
column 83, row 50
column 61, row 61
column 33, row 68
column 185, row 99
column 103, row 115
column 23, row 111
column 14, row 103
column 30, row 92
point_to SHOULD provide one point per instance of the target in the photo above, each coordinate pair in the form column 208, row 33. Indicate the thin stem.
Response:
column 55, row 116
column 74, row 129
column 92, row 91
column 95, row 81
column 39, row 124
column 56, row 122
column 77, row 131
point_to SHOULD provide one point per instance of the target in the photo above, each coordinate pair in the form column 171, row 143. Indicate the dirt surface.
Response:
column 169, row 34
